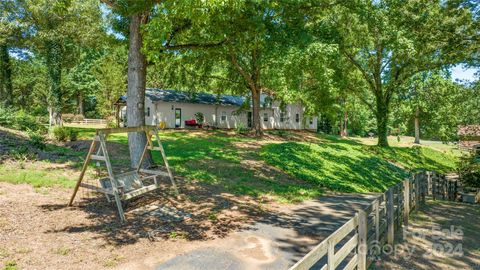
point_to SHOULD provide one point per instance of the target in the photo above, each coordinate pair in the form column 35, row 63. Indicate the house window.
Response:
column 224, row 116
column 148, row 111
column 311, row 120
column 282, row 117
column 297, row 118
column 265, row 117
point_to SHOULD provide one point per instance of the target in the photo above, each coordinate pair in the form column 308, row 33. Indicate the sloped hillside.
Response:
column 349, row 166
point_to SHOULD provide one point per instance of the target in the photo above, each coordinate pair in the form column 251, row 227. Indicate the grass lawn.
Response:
column 286, row 166
column 347, row 165
column 407, row 141
column 38, row 174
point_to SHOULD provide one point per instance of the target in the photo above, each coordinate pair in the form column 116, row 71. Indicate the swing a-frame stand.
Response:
column 128, row 185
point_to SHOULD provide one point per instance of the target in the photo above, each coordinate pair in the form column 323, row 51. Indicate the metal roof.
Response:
column 155, row 94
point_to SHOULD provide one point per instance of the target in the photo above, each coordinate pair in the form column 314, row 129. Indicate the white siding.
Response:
column 165, row 111
column 149, row 120
column 270, row 124
column 290, row 113
column 290, row 117
column 233, row 117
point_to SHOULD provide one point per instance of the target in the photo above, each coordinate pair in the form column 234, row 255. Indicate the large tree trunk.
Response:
column 257, row 125
column 345, row 124
column 252, row 80
column 137, row 72
column 417, row 126
column 80, row 104
column 55, row 95
column 6, row 87
column 55, row 117
column 382, row 122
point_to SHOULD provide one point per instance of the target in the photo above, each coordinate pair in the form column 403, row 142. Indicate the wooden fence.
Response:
column 87, row 121
column 359, row 240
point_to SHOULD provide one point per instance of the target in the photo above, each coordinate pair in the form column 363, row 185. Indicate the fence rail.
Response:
column 359, row 240
column 87, row 121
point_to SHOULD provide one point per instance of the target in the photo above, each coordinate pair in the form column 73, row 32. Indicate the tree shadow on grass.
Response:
column 209, row 212
column 415, row 158
column 239, row 170
column 348, row 167
column 203, row 212
column 344, row 170
column 215, row 206
column 225, row 174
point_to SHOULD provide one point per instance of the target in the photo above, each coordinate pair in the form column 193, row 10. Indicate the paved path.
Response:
column 277, row 241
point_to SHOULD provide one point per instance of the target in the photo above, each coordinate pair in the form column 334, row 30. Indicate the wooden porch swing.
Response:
column 127, row 185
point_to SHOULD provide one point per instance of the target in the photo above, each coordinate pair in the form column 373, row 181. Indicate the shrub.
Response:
column 24, row 121
column 60, row 133
column 111, row 122
column 78, row 117
column 72, row 134
column 42, row 120
column 10, row 265
column 241, row 129
column 281, row 133
column 6, row 117
column 20, row 120
column 469, row 170
column 200, row 118
column 37, row 140
column 70, row 117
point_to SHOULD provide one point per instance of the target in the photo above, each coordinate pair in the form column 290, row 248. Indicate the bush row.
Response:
column 63, row 134
column 70, row 117
column 20, row 120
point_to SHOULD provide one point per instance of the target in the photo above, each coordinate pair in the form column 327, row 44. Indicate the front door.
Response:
column 178, row 117
column 249, row 119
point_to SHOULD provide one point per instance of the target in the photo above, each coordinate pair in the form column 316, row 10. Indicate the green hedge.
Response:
column 20, row 120
column 63, row 134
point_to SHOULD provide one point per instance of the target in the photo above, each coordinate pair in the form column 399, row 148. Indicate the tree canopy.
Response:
column 363, row 66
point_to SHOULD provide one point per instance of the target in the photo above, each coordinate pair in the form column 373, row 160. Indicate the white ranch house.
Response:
column 223, row 111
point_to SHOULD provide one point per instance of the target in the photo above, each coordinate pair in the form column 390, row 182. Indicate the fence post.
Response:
column 440, row 187
column 429, row 183
column 434, row 186
column 399, row 205
column 444, row 186
column 455, row 190
column 376, row 205
column 362, row 240
column 406, row 201
column 390, row 217
column 417, row 190
column 449, row 190
column 331, row 256
column 411, row 189
column 423, row 187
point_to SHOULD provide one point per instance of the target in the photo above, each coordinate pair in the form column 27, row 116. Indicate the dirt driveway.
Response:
column 207, row 230
column 441, row 235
